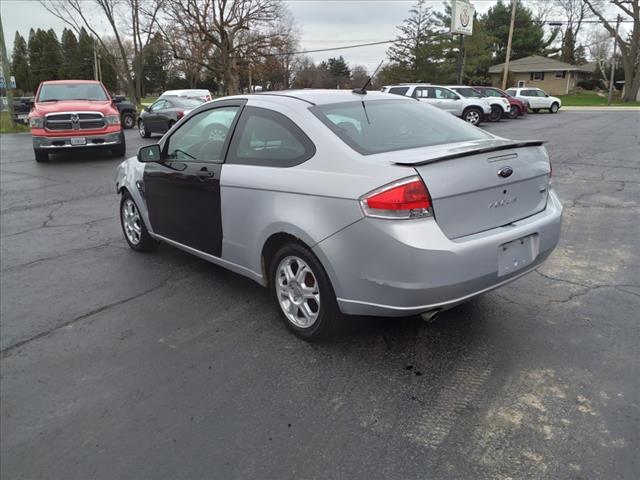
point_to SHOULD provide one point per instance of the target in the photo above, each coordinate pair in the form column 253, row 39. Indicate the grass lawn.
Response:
column 584, row 99
column 5, row 125
column 148, row 100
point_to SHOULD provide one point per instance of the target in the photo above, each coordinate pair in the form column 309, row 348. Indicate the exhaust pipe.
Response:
column 430, row 316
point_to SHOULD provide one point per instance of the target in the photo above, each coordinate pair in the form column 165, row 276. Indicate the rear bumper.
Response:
column 64, row 143
column 391, row 268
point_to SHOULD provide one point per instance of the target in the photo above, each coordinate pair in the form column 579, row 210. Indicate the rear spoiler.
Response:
column 476, row 150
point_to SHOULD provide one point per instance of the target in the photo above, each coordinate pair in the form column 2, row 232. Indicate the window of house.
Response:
column 537, row 75
column 562, row 74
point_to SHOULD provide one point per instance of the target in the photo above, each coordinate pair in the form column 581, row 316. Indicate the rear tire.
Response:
column 472, row 115
column 554, row 108
column 128, row 120
column 133, row 227
column 142, row 130
column 496, row 113
column 41, row 156
column 303, row 293
column 514, row 112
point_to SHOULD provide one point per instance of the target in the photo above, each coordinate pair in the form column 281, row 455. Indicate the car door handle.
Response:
column 204, row 173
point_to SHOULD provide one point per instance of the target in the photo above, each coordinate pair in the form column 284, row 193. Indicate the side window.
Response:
column 159, row 105
column 399, row 90
column 491, row 93
column 421, row 92
column 443, row 93
column 202, row 137
column 267, row 138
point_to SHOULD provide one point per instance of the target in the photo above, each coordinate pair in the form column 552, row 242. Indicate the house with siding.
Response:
column 551, row 75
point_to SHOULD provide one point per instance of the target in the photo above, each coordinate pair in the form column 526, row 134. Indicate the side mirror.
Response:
column 146, row 109
column 149, row 153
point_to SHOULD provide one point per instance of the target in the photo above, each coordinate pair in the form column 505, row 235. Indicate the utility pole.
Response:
column 506, row 62
column 460, row 65
column 613, row 61
column 6, row 72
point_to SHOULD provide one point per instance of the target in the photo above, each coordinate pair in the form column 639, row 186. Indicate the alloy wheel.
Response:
column 472, row 117
column 298, row 292
column 141, row 128
column 131, row 221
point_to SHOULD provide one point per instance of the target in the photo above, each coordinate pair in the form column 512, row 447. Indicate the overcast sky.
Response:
column 323, row 24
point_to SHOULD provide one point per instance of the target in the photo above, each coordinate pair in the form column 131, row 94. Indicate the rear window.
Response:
column 512, row 92
column 468, row 92
column 399, row 90
column 387, row 125
column 72, row 91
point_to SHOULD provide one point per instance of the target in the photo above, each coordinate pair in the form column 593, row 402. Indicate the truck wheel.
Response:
column 472, row 115
column 127, row 120
column 41, row 156
column 142, row 130
column 121, row 149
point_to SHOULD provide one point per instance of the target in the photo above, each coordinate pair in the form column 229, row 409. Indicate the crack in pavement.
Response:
column 21, row 208
column 5, row 352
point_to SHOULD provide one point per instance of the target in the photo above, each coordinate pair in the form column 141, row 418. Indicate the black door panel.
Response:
column 184, row 203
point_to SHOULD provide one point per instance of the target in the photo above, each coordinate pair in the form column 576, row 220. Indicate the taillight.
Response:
column 180, row 115
column 404, row 199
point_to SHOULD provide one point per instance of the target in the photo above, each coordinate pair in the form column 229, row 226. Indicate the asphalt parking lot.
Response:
column 122, row 365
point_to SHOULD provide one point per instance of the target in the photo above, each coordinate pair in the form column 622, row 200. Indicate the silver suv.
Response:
column 473, row 110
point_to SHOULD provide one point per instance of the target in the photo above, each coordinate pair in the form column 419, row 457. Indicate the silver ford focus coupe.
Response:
column 344, row 203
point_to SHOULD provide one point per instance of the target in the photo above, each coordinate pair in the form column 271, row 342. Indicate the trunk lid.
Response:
column 477, row 186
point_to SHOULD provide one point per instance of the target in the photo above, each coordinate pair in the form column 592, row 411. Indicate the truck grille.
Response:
column 74, row 121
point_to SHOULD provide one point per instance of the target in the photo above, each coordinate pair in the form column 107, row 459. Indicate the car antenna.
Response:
column 363, row 90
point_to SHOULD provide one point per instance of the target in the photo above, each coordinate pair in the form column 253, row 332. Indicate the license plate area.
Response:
column 78, row 141
column 518, row 254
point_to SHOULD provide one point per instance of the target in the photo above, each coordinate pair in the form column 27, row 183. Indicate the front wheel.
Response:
column 142, row 130
column 303, row 292
column 554, row 108
column 496, row 113
column 472, row 116
column 514, row 112
column 133, row 227
column 41, row 156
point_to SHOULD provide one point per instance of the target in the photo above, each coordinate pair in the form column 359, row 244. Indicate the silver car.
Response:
column 344, row 203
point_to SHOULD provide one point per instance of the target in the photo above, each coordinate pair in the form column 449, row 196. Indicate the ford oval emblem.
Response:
column 505, row 172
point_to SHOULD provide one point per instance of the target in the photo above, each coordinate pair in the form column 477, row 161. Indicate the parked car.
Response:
column 128, row 111
column 343, row 203
column 204, row 95
column 21, row 108
column 471, row 110
column 517, row 107
column 74, row 115
column 499, row 106
column 164, row 113
column 537, row 98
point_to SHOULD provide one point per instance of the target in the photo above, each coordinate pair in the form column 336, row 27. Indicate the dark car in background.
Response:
column 127, row 109
column 518, row 107
column 21, row 108
column 163, row 113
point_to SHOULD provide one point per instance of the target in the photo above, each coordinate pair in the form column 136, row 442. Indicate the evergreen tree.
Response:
column 52, row 55
column 20, row 63
column 156, row 59
column 338, row 71
column 109, row 75
column 34, row 47
column 70, row 66
column 85, row 56
column 528, row 35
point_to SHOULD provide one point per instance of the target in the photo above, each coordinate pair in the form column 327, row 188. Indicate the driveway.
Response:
column 122, row 365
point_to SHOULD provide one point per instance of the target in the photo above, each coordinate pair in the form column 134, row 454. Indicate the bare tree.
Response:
column 575, row 12
column 225, row 29
column 600, row 50
column 129, row 20
column 629, row 47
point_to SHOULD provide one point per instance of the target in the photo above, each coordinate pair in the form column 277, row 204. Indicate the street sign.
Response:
column 462, row 14
column 3, row 84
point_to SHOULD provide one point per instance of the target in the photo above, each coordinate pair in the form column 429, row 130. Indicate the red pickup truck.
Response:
column 74, row 115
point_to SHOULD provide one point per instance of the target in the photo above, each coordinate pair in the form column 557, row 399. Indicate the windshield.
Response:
column 469, row 92
column 72, row 91
column 387, row 125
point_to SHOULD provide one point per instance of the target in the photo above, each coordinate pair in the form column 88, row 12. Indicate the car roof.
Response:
column 55, row 82
column 320, row 96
